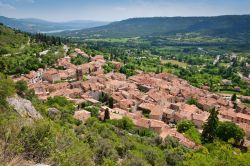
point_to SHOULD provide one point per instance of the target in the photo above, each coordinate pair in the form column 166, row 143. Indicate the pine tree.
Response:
column 209, row 130
column 211, row 85
column 161, row 69
column 111, row 102
column 106, row 114
column 157, row 70
column 234, row 97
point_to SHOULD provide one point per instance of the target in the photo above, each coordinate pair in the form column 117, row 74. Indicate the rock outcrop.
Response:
column 54, row 113
column 24, row 107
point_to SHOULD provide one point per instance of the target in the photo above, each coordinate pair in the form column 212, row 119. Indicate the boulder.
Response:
column 54, row 113
column 24, row 107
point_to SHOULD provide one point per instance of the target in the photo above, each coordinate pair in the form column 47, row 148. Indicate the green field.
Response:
column 175, row 62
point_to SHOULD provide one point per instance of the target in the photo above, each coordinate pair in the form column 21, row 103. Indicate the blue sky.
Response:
column 111, row 10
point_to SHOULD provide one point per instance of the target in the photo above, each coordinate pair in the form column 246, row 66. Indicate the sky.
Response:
column 114, row 10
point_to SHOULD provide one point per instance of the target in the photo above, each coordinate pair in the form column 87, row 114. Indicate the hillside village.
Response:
column 154, row 101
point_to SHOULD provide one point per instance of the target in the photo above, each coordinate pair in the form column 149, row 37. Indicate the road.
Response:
column 66, row 49
column 216, row 60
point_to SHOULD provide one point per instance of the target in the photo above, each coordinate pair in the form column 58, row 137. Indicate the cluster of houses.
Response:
column 154, row 101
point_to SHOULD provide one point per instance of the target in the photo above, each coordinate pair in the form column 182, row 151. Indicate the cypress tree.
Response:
column 111, row 102
column 209, row 130
column 106, row 114
column 234, row 97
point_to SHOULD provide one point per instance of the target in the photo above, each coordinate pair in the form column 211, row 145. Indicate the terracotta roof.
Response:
column 31, row 75
column 173, row 133
column 148, row 106
column 157, row 123
column 143, row 122
column 227, row 112
column 201, row 117
column 51, row 72
column 118, row 111
column 245, row 127
column 168, row 111
column 243, row 116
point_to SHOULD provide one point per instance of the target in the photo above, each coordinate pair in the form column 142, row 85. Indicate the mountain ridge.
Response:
column 134, row 27
column 34, row 25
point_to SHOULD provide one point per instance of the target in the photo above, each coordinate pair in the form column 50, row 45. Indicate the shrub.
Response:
column 228, row 130
column 192, row 101
column 124, row 123
column 37, row 140
column 185, row 125
column 93, row 110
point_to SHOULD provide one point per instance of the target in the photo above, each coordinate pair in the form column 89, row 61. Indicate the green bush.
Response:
column 38, row 140
column 192, row 101
column 124, row 123
column 7, row 88
column 194, row 135
column 93, row 110
column 184, row 125
column 228, row 130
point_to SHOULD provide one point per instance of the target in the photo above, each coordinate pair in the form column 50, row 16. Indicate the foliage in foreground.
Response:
column 113, row 142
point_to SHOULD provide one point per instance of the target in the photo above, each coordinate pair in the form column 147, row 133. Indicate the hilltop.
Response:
column 37, row 25
column 134, row 27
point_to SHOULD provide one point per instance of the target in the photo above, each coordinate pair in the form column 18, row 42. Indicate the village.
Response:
column 153, row 101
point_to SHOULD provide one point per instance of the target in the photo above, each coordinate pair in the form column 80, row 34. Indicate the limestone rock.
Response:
column 24, row 107
column 54, row 113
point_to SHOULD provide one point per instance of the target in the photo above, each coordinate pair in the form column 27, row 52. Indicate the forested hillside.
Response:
column 37, row 25
column 21, row 52
column 216, row 26
column 11, row 40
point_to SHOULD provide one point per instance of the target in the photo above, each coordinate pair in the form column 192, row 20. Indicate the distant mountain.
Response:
column 218, row 26
column 37, row 25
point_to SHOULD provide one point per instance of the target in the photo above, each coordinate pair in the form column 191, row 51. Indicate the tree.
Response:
column 7, row 89
column 21, row 87
column 106, row 114
column 192, row 101
column 234, row 97
column 211, row 85
column 162, row 69
column 38, row 140
column 228, row 130
column 209, row 130
column 157, row 70
column 124, row 123
column 104, row 150
column 93, row 110
column 188, row 128
column 174, row 156
column 194, row 135
column 184, row 125
column 111, row 102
